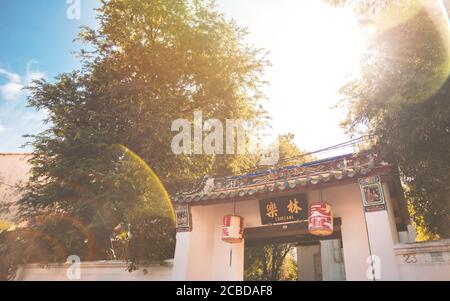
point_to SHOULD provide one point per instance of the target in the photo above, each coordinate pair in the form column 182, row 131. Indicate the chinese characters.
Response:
column 283, row 209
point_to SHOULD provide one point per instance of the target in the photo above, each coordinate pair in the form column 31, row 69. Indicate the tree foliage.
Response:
column 402, row 99
column 269, row 263
column 149, row 63
column 290, row 153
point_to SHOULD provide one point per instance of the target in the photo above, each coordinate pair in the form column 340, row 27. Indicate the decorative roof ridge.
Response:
column 198, row 188
column 314, row 174
column 338, row 167
column 308, row 164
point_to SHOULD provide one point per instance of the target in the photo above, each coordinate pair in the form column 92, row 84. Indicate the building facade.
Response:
column 14, row 169
column 372, row 238
column 370, row 219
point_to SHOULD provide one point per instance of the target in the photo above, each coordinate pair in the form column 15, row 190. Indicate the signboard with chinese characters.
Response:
column 284, row 209
column 372, row 194
column 183, row 218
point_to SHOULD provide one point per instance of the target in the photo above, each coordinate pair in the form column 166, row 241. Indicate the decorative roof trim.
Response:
column 282, row 179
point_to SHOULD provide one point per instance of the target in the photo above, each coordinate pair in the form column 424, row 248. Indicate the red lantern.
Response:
column 320, row 219
column 232, row 229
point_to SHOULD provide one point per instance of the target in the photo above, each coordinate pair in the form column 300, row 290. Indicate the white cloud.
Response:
column 16, row 119
column 14, row 85
column 32, row 75
column 10, row 90
column 11, row 76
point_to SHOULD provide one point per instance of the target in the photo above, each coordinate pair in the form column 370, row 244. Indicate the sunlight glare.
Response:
column 316, row 53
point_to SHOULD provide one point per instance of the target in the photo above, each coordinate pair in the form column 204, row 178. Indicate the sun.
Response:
column 315, row 49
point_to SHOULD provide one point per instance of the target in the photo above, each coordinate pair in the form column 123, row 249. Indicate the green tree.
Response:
column 170, row 59
column 149, row 63
column 9, row 259
column 269, row 263
column 290, row 153
column 402, row 100
column 289, row 269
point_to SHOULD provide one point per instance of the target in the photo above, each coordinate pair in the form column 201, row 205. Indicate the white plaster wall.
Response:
column 425, row 272
column 193, row 252
column 204, row 256
column 201, row 254
column 222, row 267
column 416, row 262
column 391, row 214
column 382, row 246
column 181, row 265
column 96, row 271
column 347, row 204
column 305, row 262
column 332, row 269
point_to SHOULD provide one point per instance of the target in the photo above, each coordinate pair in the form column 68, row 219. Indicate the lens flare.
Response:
column 389, row 14
column 157, row 196
column 416, row 39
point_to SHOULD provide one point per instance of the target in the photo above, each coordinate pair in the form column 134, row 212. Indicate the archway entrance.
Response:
column 288, row 252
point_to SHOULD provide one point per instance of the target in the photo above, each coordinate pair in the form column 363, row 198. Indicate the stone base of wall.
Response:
column 426, row 261
column 93, row 271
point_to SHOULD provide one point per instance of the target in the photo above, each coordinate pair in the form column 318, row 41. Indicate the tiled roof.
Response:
column 282, row 179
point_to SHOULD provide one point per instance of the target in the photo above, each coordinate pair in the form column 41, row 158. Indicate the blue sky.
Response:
column 37, row 41
column 305, row 39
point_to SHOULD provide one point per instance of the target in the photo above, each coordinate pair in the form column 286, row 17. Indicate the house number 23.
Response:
column 408, row 258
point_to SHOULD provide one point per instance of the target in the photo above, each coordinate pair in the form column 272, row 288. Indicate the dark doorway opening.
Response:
column 288, row 252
